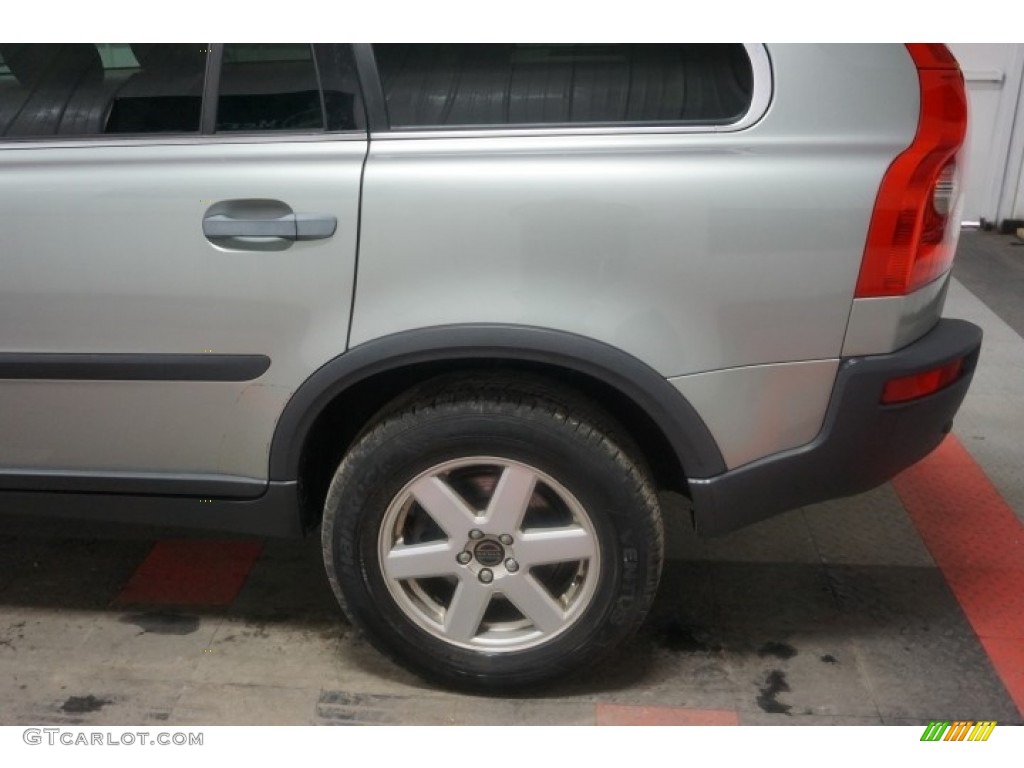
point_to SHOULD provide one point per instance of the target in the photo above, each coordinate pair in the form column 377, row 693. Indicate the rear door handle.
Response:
column 293, row 226
column 314, row 226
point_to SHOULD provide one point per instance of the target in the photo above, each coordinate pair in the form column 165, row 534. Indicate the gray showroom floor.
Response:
column 865, row 610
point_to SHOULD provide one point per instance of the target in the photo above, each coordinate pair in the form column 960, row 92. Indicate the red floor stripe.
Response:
column 207, row 572
column 626, row 714
column 978, row 543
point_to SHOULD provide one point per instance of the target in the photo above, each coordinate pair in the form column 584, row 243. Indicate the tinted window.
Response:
column 464, row 85
column 86, row 89
column 82, row 89
column 277, row 87
column 164, row 91
column 269, row 87
column 340, row 85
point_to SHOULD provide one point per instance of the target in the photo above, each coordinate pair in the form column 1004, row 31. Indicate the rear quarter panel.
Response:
column 695, row 252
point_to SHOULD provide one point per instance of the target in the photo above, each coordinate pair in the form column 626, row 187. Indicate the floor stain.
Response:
column 675, row 636
column 339, row 632
column 14, row 633
column 828, row 658
column 253, row 630
column 361, row 708
column 767, row 698
column 776, row 650
column 159, row 623
column 80, row 704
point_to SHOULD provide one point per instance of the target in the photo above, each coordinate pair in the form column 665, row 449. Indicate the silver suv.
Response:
column 469, row 308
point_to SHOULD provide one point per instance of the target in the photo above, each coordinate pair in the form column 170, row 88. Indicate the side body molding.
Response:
column 667, row 408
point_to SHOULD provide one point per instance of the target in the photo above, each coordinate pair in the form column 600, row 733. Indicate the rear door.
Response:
column 178, row 247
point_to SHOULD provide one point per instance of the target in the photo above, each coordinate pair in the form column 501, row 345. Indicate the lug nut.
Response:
column 511, row 565
column 486, row 576
column 505, row 539
column 476, row 534
column 463, row 557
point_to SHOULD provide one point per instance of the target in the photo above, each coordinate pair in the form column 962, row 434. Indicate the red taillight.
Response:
column 920, row 384
column 913, row 231
column 932, row 56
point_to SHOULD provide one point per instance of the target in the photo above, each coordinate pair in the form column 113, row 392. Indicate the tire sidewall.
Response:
column 394, row 454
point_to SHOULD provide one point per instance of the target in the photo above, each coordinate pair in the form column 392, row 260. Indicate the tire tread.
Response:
column 520, row 397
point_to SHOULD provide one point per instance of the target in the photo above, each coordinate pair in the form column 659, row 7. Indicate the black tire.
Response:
column 578, row 454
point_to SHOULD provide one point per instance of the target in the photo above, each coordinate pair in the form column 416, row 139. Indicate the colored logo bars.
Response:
column 959, row 730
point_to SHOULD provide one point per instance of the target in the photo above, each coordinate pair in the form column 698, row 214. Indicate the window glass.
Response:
column 269, row 87
column 117, row 56
column 84, row 89
column 163, row 92
column 340, row 84
column 429, row 85
column 87, row 89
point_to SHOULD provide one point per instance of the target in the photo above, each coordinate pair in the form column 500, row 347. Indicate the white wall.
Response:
column 995, row 143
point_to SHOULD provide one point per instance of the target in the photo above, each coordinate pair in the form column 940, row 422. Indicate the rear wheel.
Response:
column 493, row 536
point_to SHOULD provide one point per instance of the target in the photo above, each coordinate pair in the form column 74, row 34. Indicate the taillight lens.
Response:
column 920, row 384
column 945, row 190
column 914, row 228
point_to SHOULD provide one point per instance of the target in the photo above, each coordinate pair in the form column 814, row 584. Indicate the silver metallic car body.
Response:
column 697, row 252
column 725, row 258
column 103, row 252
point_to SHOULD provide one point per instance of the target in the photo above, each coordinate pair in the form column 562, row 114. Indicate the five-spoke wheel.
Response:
column 493, row 534
column 489, row 553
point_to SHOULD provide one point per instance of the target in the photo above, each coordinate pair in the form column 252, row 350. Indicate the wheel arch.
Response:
column 367, row 376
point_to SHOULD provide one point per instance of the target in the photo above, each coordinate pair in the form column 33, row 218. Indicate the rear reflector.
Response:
column 914, row 226
column 920, row 384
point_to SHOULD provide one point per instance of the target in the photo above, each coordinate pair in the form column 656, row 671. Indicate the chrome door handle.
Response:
column 293, row 226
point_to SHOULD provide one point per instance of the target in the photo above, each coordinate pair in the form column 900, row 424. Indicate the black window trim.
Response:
column 373, row 90
column 211, row 89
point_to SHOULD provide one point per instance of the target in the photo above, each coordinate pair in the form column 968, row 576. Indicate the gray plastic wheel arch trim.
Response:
column 683, row 428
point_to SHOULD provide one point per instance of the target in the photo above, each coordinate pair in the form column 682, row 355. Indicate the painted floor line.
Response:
column 628, row 714
column 192, row 572
column 978, row 544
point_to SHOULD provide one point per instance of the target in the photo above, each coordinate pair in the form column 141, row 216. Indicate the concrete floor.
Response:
column 841, row 613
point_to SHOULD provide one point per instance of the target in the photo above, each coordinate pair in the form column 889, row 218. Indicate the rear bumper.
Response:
column 862, row 443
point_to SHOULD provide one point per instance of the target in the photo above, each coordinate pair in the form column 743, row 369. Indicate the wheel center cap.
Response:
column 489, row 552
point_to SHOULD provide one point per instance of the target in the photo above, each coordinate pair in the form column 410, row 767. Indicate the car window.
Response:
column 269, row 87
column 277, row 87
column 343, row 104
column 163, row 92
column 83, row 89
column 430, row 85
